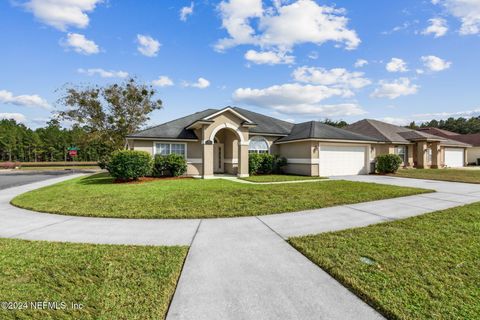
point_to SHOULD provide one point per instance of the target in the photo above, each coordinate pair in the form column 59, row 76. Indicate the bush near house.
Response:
column 172, row 165
column 388, row 163
column 264, row 163
column 129, row 164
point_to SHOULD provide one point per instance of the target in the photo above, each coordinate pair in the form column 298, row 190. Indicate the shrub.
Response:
column 103, row 162
column 280, row 164
column 264, row 163
column 9, row 165
column 388, row 163
column 172, row 165
column 254, row 162
column 129, row 164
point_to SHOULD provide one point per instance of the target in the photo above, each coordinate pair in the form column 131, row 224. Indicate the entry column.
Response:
column 243, row 160
column 207, row 158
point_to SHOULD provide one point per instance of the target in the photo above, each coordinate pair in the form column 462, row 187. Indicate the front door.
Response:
column 218, row 155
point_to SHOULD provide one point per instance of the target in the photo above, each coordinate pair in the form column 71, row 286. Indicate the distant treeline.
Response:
column 458, row 125
column 50, row 143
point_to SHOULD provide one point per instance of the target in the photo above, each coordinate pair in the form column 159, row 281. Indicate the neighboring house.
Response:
column 219, row 141
column 473, row 139
column 417, row 148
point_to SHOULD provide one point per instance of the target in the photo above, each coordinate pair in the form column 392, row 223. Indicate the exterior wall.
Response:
column 473, row 154
column 302, row 157
column 382, row 149
column 230, row 143
column 194, row 152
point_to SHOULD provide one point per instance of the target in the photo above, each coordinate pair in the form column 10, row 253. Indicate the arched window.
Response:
column 258, row 145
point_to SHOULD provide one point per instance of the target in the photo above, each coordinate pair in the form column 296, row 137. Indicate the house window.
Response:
column 258, row 145
column 169, row 148
column 429, row 155
column 401, row 151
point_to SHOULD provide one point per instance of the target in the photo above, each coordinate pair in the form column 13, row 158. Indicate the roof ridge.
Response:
column 312, row 128
column 164, row 123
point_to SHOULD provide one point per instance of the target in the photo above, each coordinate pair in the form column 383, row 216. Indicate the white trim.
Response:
column 244, row 143
column 209, row 177
column 228, row 109
column 230, row 126
column 194, row 160
column 231, row 161
column 243, row 175
column 303, row 161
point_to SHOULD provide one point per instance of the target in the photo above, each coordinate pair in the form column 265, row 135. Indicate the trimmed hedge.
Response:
column 172, row 165
column 129, row 164
column 264, row 163
column 388, row 163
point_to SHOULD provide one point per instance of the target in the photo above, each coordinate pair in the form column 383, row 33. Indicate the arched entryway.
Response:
column 226, row 150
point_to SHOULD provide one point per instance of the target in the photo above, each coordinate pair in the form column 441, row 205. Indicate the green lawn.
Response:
column 111, row 282
column 279, row 178
column 455, row 175
column 425, row 267
column 195, row 198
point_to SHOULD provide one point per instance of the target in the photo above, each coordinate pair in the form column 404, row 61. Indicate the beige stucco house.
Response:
column 473, row 139
column 219, row 141
column 418, row 149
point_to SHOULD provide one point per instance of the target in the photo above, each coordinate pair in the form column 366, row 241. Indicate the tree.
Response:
column 338, row 124
column 112, row 112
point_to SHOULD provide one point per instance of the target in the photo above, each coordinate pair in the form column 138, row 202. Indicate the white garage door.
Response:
column 454, row 157
column 342, row 161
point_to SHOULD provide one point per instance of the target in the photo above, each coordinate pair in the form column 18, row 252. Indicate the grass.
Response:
column 455, row 175
column 110, row 281
column 96, row 195
column 279, row 178
column 423, row 268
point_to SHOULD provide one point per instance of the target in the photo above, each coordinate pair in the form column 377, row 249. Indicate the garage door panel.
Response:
column 454, row 157
column 342, row 160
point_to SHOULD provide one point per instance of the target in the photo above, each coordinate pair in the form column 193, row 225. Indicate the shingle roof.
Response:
column 438, row 132
column 387, row 132
column 266, row 124
column 175, row 129
column 318, row 130
column 472, row 139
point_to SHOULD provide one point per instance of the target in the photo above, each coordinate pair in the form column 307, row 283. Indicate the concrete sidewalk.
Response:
column 241, row 268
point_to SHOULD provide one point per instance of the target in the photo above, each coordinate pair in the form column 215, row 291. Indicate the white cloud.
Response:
column 186, row 11
column 14, row 116
column 284, row 25
column 269, row 57
column 62, row 13
column 435, row 64
column 396, row 121
column 201, row 83
column 80, row 44
column 163, row 81
column 468, row 11
column 360, row 63
column 147, row 45
column 313, row 55
column 337, row 77
column 397, row 65
column 103, row 73
column 438, row 27
column 294, row 98
column 395, row 89
column 23, row 100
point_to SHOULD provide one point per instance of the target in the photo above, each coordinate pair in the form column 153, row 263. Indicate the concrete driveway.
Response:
column 241, row 268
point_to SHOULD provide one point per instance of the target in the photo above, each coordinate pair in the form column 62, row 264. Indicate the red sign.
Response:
column 72, row 153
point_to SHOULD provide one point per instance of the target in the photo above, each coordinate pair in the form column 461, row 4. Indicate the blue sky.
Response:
column 296, row 60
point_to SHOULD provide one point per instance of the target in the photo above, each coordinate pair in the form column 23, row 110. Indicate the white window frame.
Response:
column 405, row 152
column 258, row 151
column 169, row 147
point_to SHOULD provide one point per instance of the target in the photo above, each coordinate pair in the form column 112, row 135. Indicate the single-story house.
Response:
column 219, row 141
column 418, row 149
column 473, row 139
